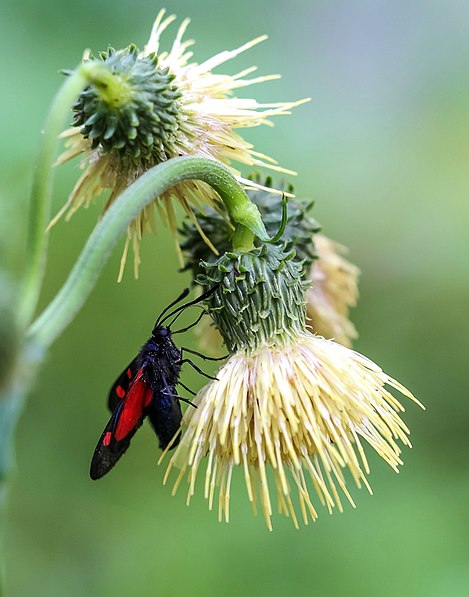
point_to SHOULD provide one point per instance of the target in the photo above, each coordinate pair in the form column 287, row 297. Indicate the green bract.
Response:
column 259, row 298
column 134, row 111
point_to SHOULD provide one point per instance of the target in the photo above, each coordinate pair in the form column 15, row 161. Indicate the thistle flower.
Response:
column 285, row 399
column 154, row 106
column 334, row 290
column 334, row 279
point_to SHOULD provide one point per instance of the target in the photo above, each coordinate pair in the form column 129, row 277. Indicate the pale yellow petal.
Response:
column 302, row 411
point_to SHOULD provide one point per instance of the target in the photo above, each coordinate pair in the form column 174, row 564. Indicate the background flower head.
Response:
column 334, row 290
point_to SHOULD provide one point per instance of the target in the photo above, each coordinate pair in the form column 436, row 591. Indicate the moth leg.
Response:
column 198, row 369
column 186, row 400
column 204, row 356
column 186, row 388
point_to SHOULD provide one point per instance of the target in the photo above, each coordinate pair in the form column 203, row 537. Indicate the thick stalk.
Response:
column 243, row 239
column 115, row 221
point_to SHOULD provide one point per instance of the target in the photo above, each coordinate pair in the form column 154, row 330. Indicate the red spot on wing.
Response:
column 138, row 398
column 107, row 438
column 120, row 392
column 129, row 373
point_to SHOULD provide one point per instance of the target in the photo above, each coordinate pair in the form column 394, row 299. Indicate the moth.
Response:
column 147, row 388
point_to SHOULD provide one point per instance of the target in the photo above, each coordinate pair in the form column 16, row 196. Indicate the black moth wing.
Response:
column 122, row 384
column 106, row 456
column 121, row 427
column 165, row 416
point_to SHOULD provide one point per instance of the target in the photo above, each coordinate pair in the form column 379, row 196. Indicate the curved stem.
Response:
column 115, row 221
column 36, row 249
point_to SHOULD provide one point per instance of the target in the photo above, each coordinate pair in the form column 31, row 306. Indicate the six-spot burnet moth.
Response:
column 147, row 388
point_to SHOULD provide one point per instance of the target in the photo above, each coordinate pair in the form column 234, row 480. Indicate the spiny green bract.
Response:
column 259, row 296
column 136, row 115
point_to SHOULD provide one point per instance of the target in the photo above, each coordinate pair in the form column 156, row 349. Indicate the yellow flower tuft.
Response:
column 302, row 408
column 334, row 290
column 201, row 121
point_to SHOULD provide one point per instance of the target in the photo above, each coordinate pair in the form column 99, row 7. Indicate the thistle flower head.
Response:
column 151, row 106
column 285, row 400
column 334, row 288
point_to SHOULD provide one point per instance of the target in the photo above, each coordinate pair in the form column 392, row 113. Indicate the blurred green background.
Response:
column 384, row 150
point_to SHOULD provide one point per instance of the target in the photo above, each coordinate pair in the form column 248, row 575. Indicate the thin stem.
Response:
column 36, row 249
column 49, row 325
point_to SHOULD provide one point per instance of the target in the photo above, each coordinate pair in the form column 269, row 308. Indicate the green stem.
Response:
column 50, row 324
column 36, row 250
column 243, row 239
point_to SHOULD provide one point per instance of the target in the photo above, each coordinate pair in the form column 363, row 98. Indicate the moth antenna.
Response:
column 183, row 295
column 189, row 326
column 199, row 299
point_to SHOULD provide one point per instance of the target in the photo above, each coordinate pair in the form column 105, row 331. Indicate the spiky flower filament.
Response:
column 302, row 409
